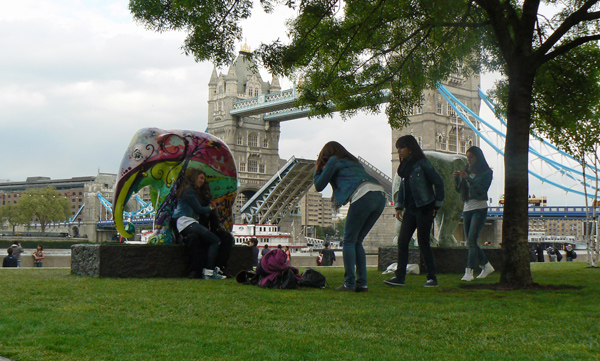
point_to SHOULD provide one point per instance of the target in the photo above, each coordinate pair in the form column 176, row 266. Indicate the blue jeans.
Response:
column 362, row 215
column 421, row 220
column 37, row 264
column 196, row 237
column 474, row 221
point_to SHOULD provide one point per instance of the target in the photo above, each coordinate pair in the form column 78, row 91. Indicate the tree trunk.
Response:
column 515, row 248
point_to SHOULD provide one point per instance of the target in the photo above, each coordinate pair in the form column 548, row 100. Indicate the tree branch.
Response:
column 572, row 20
column 565, row 48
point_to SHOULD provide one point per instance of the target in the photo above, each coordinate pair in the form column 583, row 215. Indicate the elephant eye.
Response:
column 137, row 155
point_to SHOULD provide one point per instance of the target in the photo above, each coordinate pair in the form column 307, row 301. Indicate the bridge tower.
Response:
column 436, row 126
column 253, row 141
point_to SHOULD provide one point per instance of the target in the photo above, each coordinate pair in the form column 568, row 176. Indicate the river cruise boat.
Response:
column 265, row 233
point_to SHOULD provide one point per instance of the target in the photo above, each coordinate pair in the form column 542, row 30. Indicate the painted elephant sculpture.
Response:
column 157, row 159
column 448, row 216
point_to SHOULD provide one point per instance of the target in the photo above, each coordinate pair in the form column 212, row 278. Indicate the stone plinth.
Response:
column 447, row 260
column 143, row 261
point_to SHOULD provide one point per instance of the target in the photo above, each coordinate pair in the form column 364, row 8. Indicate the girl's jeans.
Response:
column 420, row 219
column 362, row 215
column 474, row 221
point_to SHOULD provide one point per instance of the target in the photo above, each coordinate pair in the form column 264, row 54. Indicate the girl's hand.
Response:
column 399, row 215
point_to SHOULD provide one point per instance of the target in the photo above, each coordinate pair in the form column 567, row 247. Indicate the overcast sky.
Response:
column 79, row 78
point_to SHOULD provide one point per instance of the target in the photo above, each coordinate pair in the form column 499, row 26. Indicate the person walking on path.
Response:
column 351, row 184
column 328, row 256
column 17, row 250
column 539, row 251
column 421, row 194
column 288, row 254
column 265, row 250
column 473, row 183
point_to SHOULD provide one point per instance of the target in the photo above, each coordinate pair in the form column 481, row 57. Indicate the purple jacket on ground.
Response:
column 271, row 265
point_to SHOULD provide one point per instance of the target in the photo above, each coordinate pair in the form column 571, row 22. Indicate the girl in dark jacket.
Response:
column 194, row 200
column 473, row 183
column 351, row 184
column 419, row 202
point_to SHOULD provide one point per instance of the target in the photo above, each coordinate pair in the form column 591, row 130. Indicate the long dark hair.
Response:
column 481, row 165
column 190, row 180
column 331, row 149
column 408, row 141
column 416, row 154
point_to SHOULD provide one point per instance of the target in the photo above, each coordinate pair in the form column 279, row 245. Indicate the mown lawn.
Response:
column 49, row 314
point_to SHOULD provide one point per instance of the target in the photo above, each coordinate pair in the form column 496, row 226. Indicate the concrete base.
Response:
column 447, row 260
column 143, row 261
column 50, row 261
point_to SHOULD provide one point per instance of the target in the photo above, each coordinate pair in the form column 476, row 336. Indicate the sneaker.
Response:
column 394, row 281
column 212, row 275
column 362, row 289
column 431, row 283
column 468, row 275
column 344, row 288
column 222, row 273
column 486, row 270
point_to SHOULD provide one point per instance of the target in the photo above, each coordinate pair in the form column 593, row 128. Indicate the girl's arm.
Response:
column 323, row 177
column 437, row 181
column 191, row 198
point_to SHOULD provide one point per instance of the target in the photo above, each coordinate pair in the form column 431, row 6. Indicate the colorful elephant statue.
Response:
column 448, row 217
column 156, row 158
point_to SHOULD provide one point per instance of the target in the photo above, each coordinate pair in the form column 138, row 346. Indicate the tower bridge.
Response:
column 247, row 112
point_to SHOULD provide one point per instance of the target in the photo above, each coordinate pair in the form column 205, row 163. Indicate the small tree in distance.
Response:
column 43, row 205
column 12, row 214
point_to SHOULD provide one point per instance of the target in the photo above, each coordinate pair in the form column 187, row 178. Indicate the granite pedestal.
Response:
column 143, row 261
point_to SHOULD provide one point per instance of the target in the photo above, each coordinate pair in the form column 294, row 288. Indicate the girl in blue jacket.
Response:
column 473, row 183
column 419, row 201
column 194, row 200
column 351, row 184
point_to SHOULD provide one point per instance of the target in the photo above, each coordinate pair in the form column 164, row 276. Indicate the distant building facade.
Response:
column 73, row 189
column 83, row 195
column 316, row 210
column 436, row 125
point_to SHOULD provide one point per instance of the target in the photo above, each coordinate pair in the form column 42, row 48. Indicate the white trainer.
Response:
column 487, row 269
column 468, row 275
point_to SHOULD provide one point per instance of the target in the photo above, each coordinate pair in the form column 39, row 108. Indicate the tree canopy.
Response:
column 43, row 205
column 12, row 214
column 356, row 54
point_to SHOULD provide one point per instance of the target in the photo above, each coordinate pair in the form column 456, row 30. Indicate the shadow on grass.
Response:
column 504, row 287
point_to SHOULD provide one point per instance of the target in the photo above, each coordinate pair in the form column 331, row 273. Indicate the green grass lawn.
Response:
column 49, row 314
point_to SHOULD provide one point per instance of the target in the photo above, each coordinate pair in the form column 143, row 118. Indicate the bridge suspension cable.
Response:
column 564, row 169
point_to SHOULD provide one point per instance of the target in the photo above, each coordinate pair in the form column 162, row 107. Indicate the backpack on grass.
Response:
column 312, row 278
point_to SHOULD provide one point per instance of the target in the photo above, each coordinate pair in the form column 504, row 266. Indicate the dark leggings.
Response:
column 420, row 219
column 196, row 237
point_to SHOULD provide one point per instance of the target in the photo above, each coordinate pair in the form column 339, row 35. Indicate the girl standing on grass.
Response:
column 351, row 184
column 473, row 183
column 420, row 202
